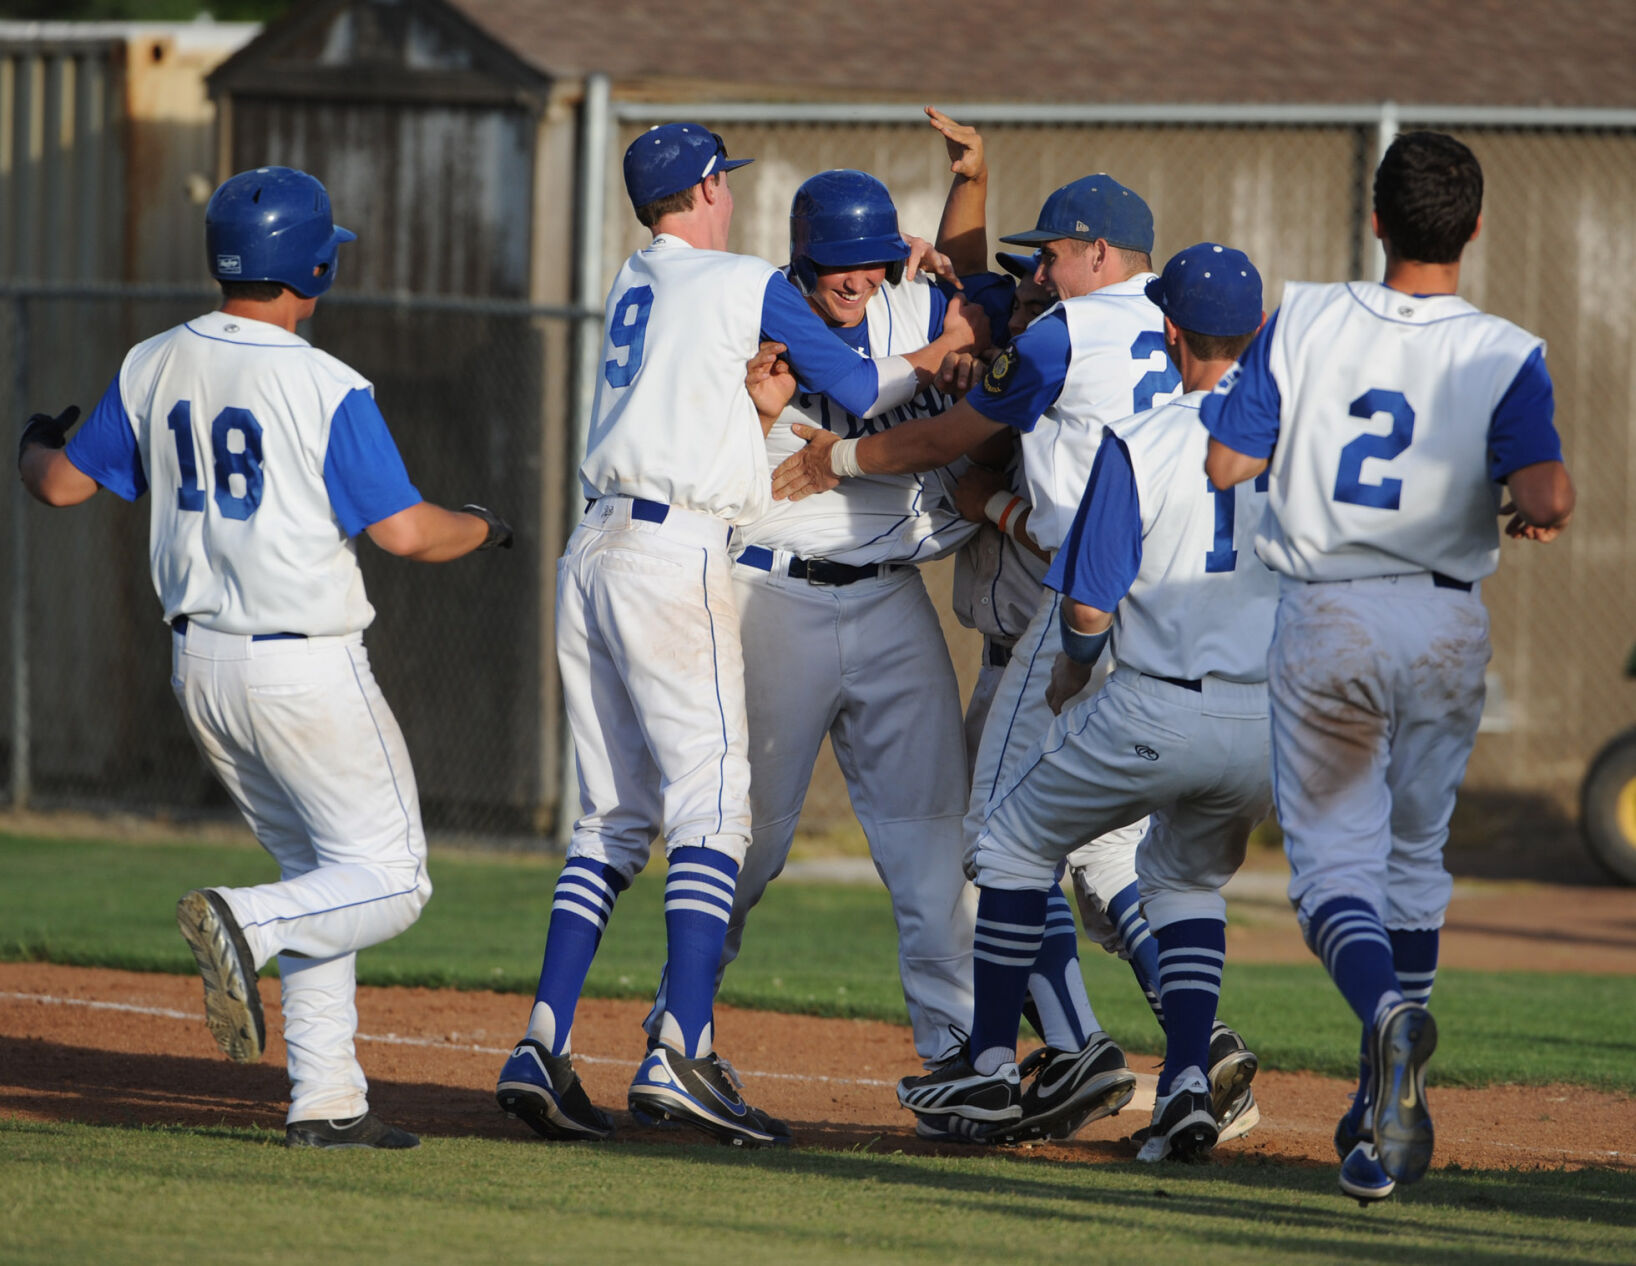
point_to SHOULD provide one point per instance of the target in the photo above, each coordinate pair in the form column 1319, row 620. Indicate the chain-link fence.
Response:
column 463, row 651
column 1556, row 254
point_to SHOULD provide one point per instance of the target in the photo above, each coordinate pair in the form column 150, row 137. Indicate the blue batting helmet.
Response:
column 273, row 224
column 841, row 218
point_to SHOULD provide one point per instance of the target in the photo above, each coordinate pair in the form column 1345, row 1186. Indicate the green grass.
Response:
column 168, row 1195
column 814, row 948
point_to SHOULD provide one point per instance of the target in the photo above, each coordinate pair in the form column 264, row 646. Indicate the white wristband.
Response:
column 843, row 459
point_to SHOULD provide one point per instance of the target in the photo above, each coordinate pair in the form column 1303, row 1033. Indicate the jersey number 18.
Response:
column 245, row 461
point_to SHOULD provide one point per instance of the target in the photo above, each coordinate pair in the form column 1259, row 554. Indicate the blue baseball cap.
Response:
column 1209, row 289
column 672, row 157
column 1022, row 266
column 1089, row 208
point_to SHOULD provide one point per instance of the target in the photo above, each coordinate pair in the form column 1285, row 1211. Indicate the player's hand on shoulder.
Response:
column 769, row 380
column 807, row 471
column 42, row 428
column 1068, row 678
column 965, row 145
column 924, row 257
column 499, row 534
column 965, row 327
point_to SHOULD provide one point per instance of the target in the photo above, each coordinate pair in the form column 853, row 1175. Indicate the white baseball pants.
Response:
column 1376, row 689
column 1196, row 758
column 653, row 681
column 299, row 734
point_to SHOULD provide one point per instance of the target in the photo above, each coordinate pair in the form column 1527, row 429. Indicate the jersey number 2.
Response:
column 628, row 329
column 1155, row 381
column 1349, row 482
column 245, row 461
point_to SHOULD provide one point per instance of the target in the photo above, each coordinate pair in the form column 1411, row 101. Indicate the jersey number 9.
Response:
column 628, row 329
column 244, row 461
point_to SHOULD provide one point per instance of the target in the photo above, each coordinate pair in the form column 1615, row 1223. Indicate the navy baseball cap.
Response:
column 1209, row 289
column 672, row 157
column 1089, row 208
column 1023, row 266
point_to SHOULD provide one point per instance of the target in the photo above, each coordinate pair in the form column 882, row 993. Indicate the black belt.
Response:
column 816, row 571
column 1186, row 683
column 1449, row 582
column 996, row 654
column 179, row 625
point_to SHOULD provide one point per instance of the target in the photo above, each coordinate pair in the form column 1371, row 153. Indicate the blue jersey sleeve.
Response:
column 1100, row 558
column 993, row 293
column 105, row 447
column 1026, row 379
column 1243, row 411
column 940, row 309
column 823, row 364
column 363, row 471
column 1523, row 430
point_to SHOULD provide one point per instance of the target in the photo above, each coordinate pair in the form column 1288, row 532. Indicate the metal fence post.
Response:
column 21, row 732
column 1385, row 133
column 593, row 183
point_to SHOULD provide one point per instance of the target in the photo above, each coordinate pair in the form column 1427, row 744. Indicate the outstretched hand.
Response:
column 965, row 145
column 924, row 257
column 807, row 472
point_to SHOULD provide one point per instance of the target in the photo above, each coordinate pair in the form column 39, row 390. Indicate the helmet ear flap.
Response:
column 804, row 274
column 894, row 271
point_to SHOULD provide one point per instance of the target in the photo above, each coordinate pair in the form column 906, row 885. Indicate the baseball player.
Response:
column 1387, row 416
column 1179, row 730
column 830, row 583
column 648, row 630
column 266, row 458
column 1088, row 361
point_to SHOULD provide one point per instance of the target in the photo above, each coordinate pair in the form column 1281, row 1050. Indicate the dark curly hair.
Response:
column 1428, row 193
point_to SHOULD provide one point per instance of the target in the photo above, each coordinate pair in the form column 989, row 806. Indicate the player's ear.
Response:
column 1374, row 225
column 1476, row 228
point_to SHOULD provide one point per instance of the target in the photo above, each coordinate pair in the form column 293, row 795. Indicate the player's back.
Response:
column 1117, row 367
column 1202, row 603
column 672, row 420
column 232, row 418
column 1382, row 461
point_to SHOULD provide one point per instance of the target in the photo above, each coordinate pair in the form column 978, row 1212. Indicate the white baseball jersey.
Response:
column 1171, row 556
column 874, row 518
column 232, row 421
column 1084, row 364
column 1382, row 465
column 672, row 421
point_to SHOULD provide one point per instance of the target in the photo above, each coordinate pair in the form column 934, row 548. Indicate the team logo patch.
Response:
column 994, row 381
column 1146, row 752
column 228, row 264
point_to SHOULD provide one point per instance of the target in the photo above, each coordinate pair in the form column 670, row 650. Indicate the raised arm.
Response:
column 963, row 233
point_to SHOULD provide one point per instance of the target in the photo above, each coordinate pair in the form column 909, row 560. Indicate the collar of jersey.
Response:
column 1131, row 288
column 1379, row 299
column 248, row 332
column 669, row 242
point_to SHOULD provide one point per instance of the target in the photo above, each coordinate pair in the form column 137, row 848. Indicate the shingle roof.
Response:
column 1458, row 52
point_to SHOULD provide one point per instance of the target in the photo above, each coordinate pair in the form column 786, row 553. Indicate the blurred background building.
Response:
column 474, row 146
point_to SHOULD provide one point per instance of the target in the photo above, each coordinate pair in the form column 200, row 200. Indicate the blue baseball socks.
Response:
column 580, row 906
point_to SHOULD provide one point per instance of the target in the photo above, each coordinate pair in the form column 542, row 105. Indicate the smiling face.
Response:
column 841, row 293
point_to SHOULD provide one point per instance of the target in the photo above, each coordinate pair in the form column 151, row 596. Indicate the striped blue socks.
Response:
column 1056, row 984
column 580, row 906
column 1136, row 939
column 698, row 902
column 1414, row 957
column 1347, row 934
column 1010, row 931
column 1190, row 955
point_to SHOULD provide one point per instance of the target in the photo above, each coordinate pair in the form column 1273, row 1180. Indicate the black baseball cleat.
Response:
column 232, row 1005
column 365, row 1131
column 1233, row 1067
column 1401, row 1045
column 1184, row 1123
column 543, row 1091
column 954, row 1089
column 1064, row 1091
column 700, row 1093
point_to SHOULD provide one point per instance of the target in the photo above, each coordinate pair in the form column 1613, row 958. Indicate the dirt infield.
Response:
column 126, row 1048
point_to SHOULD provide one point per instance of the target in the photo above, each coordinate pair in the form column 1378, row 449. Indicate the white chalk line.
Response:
column 1146, row 1082
column 396, row 1039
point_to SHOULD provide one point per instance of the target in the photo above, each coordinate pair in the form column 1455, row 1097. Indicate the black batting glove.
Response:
column 42, row 428
column 499, row 536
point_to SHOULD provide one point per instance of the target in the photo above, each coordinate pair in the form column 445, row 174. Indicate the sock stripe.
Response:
column 1182, row 952
column 697, row 907
column 994, row 925
column 595, row 916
